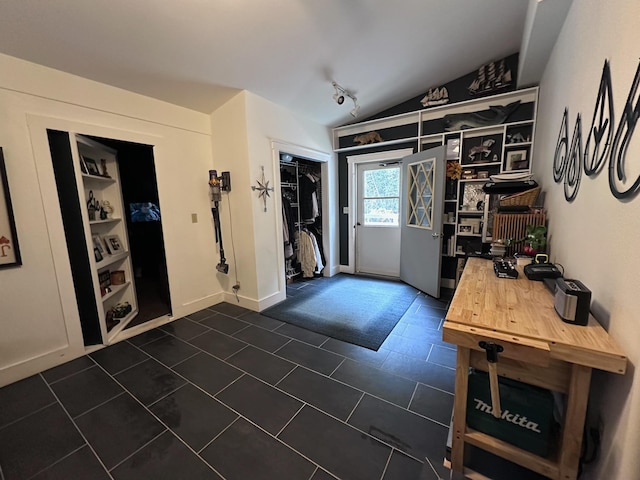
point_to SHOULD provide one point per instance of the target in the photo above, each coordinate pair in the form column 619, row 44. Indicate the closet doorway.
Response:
column 307, row 214
column 301, row 190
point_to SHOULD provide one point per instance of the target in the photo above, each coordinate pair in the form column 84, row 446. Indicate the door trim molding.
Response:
column 324, row 160
column 352, row 162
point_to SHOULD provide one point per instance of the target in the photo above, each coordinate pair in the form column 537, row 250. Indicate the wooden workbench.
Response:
column 539, row 349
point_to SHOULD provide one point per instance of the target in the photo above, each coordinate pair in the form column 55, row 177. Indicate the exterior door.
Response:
column 378, row 219
column 421, row 230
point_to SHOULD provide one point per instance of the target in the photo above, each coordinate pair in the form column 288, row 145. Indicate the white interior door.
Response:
column 422, row 207
column 378, row 219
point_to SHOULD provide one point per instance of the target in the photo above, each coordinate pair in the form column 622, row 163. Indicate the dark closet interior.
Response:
column 139, row 187
column 301, row 186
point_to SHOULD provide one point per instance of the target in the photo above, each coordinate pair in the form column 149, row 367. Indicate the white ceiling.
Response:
column 199, row 53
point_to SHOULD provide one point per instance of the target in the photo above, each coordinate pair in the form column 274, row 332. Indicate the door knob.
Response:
column 435, row 235
column 358, row 223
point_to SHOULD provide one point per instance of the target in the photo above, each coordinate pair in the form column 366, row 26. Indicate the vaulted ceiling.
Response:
column 199, row 53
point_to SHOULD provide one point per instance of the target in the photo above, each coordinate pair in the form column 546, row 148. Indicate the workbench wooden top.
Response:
column 524, row 308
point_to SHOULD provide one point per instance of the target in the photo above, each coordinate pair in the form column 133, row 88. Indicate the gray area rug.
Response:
column 357, row 310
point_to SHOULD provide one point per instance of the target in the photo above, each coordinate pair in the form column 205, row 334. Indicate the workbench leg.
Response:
column 577, row 398
column 460, row 409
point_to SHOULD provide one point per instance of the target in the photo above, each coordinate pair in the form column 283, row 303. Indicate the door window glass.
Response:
column 381, row 198
column 420, row 192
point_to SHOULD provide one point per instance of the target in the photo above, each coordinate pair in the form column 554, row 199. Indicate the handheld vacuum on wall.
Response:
column 217, row 185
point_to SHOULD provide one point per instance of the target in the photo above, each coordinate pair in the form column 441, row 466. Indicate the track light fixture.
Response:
column 338, row 97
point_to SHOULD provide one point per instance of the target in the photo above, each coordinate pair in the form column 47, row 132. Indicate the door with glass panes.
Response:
column 377, row 235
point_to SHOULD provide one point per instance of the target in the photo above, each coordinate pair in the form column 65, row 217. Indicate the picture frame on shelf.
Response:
column 517, row 160
column 481, row 149
column 92, row 166
column 114, row 244
column 465, row 228
column 99, row 244
column 9, row 249
column 98, row 256
column 83, row 166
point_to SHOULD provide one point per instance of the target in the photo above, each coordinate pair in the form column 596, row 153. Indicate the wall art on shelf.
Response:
column 473, row 197
column 517, row 160
column 9, row 250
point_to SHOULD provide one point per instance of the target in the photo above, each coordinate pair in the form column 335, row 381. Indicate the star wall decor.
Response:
column 263, row 188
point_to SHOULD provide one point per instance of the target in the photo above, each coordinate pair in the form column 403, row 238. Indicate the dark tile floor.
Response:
column 227, row 393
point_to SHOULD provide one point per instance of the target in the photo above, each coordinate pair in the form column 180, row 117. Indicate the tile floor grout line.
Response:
column 413, row 395
column 29, row 414
column 71, row 374
column 355, row 407
column 198, row 452
column 96, row 406
column 291, row 419
column 149, row 357
column 426, row 459
column 138, row 449
column 86, row 441
column 430, row 351
column 167, row 395
column 386, row 465
column 56, row 462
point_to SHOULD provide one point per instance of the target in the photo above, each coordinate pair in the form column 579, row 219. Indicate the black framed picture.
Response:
column 481, row 149
column 92, row 166
column 9, row 249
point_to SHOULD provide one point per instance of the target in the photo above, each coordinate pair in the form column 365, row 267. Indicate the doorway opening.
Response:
column 140, row 197
column 302, row 195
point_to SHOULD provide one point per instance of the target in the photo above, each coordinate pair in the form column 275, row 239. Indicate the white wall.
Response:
column 595, row 236
column 259, row 249
column 37, row 303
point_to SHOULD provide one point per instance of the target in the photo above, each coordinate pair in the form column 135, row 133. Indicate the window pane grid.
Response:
column 420, row 211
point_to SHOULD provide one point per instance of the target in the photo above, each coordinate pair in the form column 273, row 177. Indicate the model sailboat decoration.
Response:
column 435, row 96
column 490, row 77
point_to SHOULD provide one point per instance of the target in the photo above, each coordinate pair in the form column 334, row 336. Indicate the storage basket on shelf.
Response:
column 526, row 198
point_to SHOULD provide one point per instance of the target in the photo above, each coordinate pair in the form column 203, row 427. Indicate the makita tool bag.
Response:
column 527, row 413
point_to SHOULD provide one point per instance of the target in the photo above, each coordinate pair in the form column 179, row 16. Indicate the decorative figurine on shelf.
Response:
column 92, row 206
column 367, row 138
column 107, row 209
column 103, row 167
column 103, row 213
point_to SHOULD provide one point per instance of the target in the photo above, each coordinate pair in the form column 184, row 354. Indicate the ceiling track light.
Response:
column 340, row 95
